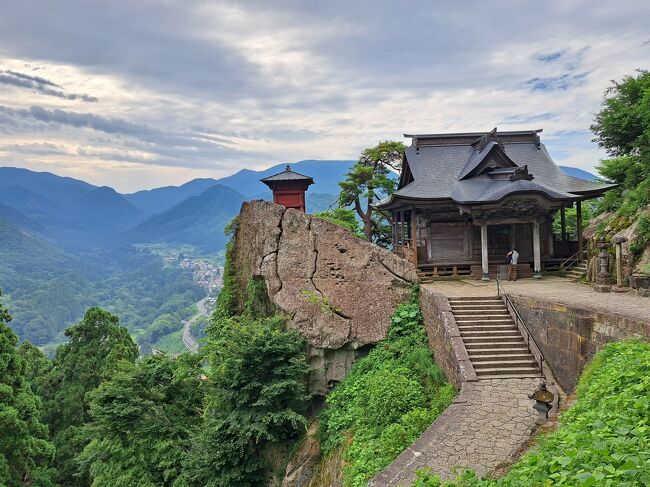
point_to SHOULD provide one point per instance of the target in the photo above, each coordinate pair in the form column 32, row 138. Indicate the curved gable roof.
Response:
column 447, row 170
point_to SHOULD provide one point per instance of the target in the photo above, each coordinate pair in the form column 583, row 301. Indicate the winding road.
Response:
column 189, row 341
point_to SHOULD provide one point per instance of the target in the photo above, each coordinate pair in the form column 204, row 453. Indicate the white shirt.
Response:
column 513, row 257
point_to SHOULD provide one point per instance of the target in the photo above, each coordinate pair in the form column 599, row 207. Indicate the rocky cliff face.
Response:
column 339, row 291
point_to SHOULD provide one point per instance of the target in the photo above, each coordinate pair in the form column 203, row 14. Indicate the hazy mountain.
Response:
column 199, row 221
column 579, row 173
column 30, row 203
column 157, row 200
column 16, row 218
column 61, row 190
column 105, row 209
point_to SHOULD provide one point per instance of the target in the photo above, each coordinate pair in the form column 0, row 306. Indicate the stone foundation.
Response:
column 569, row 337
column 444, row 338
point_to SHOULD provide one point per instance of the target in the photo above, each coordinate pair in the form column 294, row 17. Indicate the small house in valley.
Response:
column 465, row 199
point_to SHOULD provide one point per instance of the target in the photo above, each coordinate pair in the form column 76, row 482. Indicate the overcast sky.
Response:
column 137, row 94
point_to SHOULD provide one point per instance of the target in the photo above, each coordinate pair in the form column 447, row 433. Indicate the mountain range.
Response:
column 79, row 216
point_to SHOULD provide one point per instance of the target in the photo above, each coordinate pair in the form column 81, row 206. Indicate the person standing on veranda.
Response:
column 511, row 259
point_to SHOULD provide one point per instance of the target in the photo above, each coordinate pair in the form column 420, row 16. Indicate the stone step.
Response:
column 476, row 310
column 493, row 341
column 502, row 334
column 488, row 349
column 485, row 307
column 464, row 330
column 481, row 321
column 504, row 364
column 482, row 317
column 534, row 375
column 508, row 371
column 506, row 356
column 474, row 298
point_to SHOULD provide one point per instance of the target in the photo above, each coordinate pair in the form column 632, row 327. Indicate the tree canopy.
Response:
column 97, row 346
column 369, row 180
column 622, row 127
column 25, row 452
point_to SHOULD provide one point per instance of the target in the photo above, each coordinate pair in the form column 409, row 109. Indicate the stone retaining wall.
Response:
column 569, row 337
column 444, row 338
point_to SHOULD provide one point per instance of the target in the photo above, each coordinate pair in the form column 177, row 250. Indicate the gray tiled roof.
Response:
column 287, row 175
column 437, row 171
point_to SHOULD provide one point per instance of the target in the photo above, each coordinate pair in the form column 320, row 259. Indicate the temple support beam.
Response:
column 581, row 254
column 563, row 222
column 537, row 258
column 484, row 252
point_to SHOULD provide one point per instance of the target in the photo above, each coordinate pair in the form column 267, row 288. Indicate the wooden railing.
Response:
column 521, row 326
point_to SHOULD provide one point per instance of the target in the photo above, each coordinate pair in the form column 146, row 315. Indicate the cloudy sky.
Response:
column 137, row 94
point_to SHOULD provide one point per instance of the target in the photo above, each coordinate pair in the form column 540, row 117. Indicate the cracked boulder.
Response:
column 338, row 290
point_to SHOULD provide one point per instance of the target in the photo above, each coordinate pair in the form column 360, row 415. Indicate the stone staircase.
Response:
column 493, row 342
column 577, row 271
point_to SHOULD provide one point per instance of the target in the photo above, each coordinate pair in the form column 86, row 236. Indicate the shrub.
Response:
column 386, row 400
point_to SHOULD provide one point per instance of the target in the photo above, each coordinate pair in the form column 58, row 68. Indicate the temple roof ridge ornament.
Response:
column 491, row 136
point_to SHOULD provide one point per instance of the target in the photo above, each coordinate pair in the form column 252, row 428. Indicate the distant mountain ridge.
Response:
column 77, row 215
column 579, row 173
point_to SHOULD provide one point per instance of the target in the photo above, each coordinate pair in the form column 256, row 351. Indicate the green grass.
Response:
column 386, row 401
column 602, row 440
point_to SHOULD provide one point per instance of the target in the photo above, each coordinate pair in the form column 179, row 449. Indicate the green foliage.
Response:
column 368, row 180
column 588, row 210
column 50, row 290
column 387, row 399
column 322, row 302
column 143, row 421
column 97, row 345
column 258, row 396
column 25, row 452
column 603, row 439
column 257, row 303
column 343, row 217
column 622, row 127
column 228, row 301
column 643, row 235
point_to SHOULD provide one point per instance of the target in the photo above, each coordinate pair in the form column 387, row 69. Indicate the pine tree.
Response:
column 25, row 452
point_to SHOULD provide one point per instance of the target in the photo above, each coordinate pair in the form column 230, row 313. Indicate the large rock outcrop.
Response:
column 338, row 290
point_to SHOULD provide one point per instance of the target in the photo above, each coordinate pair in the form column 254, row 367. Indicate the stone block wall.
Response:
column 569, row 337
column 444, row 338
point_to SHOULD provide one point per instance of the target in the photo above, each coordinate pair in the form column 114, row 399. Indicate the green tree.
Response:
column 257, row 397
column 369, row 179
column 622, row 127
column 25, row 452
column 343, row 217
column 97, row 345
column 143, row 420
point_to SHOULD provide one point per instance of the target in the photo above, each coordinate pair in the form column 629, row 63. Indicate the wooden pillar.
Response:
column 537, row 261
column 581, row 255
column 414, row 237
column 551, row 249
column 563, row 222
column 513, row 236
column 394, row 230
column 484, row 253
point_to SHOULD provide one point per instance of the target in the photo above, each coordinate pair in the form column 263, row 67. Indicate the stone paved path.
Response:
column 554, row 289
column 489, row 421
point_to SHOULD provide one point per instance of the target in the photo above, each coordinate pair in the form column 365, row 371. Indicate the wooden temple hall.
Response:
column 464, row 200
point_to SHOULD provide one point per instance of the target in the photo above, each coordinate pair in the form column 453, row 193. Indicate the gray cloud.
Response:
column 286, row 80
column 40, row 85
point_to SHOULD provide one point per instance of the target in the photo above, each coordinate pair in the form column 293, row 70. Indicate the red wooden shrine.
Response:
column 289, row 188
